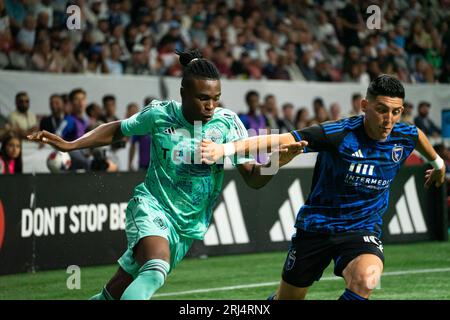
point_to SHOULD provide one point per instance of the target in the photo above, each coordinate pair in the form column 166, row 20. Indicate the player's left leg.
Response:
column 359, row 260
column 362, row 275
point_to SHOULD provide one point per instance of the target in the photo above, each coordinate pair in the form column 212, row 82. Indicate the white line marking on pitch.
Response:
column 268, row 284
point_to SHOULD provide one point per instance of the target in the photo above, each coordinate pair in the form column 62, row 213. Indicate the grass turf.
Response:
column 430, row 260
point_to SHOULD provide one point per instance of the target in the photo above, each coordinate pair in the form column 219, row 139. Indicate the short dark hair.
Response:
column 251, row 93
column 196, row 67
column 385, row 85
column 356, row 96
column 20, row 94
column 108, row 97
column 424, row 103
column 74, row 92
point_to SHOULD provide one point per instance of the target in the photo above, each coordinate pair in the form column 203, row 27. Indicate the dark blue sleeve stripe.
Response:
column 296, row 136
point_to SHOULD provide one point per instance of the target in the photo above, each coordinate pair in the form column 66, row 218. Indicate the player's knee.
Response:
column 364, row 281
column 154, row 271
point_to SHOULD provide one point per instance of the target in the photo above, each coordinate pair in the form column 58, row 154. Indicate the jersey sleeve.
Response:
column 139, row 124
column 237, row 132
column 316, row 138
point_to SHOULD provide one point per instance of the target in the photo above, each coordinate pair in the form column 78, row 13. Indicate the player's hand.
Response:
column 434, row 176
column 211, row 152
column 287, row 152
column 51, row 139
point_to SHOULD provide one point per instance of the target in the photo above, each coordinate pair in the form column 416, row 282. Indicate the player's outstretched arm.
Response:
column 436, row 175
column 283, row 143
column 103, row 135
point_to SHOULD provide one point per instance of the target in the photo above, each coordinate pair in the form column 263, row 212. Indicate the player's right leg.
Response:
column 309, row 254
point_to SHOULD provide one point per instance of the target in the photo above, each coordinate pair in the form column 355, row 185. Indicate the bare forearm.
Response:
column 264, row 143
column 104, row 134
column 425, row 148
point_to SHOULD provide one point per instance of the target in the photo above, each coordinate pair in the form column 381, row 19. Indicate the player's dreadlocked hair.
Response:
column 196, row 67
column 385, row 85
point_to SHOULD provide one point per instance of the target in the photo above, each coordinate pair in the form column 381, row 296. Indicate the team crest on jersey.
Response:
column 397, row 153
column 159, row 223
column 213, row 134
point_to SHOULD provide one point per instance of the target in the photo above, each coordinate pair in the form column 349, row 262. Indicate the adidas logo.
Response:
column 284, row 228
column 170, row 130
column 365, row 169
column 358, row 154
column 409, row 217
column 228, row 226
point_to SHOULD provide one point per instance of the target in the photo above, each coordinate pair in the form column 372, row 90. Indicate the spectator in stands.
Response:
column 6, row 37
column 113, row 61
column 109, row 108
column 109, row 115
column 11, row 155
column 302, row 118
column 64, row 59
column 144, row 143
column 139, row 63
column 287, row 123
column 270, row 111
column 407, row 114
column 424, row 123
column 95, row 114
column 42, row 58
column 75, row 124
column 320, row 112
column 253, row 120
column 54, row 120
column 335, row 111
column 356, row 105
column 23, row 121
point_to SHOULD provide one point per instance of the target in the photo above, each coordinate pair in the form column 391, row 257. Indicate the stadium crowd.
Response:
column 72, row 115
column 302, row 40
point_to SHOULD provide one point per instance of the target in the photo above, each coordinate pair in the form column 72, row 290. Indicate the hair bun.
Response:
column 188, row 56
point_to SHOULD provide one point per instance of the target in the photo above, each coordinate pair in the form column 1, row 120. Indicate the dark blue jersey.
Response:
column 352, row 175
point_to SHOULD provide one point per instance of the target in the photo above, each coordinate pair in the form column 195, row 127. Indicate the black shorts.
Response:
column 310, row 253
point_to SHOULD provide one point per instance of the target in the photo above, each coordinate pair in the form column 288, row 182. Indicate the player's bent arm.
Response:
column 251, row 173
column 425, row 148
column 103, row 135
column 435, row 176
column 264, row 143
column 212, row 152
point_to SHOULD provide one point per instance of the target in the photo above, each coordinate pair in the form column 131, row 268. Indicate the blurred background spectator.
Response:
column 289, row 40
column 11, row 154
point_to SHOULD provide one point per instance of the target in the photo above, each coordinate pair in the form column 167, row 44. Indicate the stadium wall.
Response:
column 53, row 221
column 129, row 88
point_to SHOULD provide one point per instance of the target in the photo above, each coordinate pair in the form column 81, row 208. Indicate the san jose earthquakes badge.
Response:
column 397, row 153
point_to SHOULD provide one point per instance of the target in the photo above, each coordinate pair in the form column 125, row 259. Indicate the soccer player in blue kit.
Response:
column 358, row 158
column 174, row 205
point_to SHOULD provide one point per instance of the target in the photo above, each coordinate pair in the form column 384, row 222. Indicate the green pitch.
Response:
column 412, row 271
